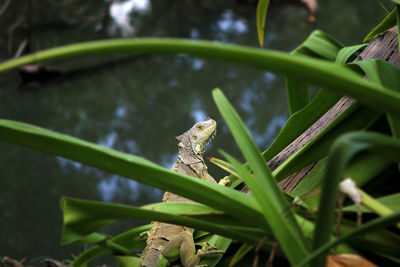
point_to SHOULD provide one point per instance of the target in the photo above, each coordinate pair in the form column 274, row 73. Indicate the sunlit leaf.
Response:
column 262, row 8
column 235, row 181
column 345, row 54
column 390, row 201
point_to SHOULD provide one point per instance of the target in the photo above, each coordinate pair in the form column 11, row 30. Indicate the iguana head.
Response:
column 199, row 135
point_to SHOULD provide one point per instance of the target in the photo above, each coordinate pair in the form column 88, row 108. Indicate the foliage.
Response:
column 228, row 213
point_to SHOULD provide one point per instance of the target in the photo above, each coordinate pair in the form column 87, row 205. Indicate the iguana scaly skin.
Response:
column 167, row 242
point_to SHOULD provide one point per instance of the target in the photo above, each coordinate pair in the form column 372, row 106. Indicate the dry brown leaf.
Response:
column 348, row 260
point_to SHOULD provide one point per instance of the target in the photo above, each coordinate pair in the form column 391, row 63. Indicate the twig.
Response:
column 272, row 254
column 10, row 31
column 21, row 48
column 257, row 249
column 340, row 213
column 4, row 7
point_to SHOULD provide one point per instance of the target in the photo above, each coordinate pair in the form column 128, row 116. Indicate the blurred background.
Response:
column 135, row 103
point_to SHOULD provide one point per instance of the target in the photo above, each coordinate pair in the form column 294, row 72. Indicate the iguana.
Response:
column 167, row 242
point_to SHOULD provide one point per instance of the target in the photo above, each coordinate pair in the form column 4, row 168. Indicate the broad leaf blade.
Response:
column 345, row 54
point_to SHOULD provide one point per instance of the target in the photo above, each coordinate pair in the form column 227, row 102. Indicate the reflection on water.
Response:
column 120, row 13
column 137, row 104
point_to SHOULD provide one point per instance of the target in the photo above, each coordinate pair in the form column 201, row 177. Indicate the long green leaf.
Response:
column 345, row 54
column 387, row 23
column 129, row 239
column 239, row 254
column 263, row 186
column 387, row 75
column 221, row 243
column 365, row 228
column 297, row 94
column 390, row 201
column 261, row 17
column 129, row 166
column 83, row 217
column 342, row 151
column 319, row 44
column 328, row 75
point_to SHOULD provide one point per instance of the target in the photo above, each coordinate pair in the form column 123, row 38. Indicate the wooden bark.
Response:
column 384, row 47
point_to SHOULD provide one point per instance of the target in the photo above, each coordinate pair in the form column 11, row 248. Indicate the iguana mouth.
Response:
column 212, row 136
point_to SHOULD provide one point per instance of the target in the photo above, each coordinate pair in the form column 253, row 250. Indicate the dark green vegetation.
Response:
column 267, row 211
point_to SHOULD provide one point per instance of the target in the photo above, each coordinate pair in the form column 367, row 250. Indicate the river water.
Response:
column 138, row 103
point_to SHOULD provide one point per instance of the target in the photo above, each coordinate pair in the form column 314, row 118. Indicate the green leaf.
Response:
column 239, row 254
column 398, row 23
column 342, row 151
column 300, row 121
column 345, row 54
column 221, row 243
column 233, row 178
column 129, row 239
column 362, row 170
column 387, row 23
column 330, row 76
column 261, row 16
column 388, row 75
column 390, row 201
column 129, row 166
column 262, row 185
column 127, row 261
column 83, row 217
column 365, row 228
column 318, row 44
column 297, row 94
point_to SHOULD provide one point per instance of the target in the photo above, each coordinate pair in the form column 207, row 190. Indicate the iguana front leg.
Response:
column 183, row 246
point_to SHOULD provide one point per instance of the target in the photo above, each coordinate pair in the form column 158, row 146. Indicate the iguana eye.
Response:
column 199, row 127
column 194, row 137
